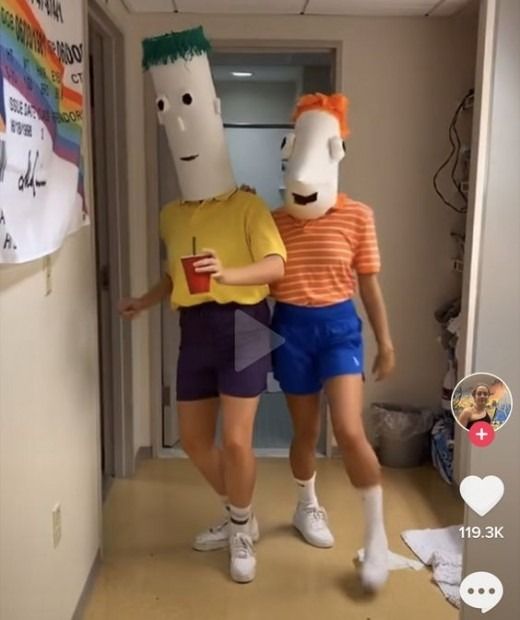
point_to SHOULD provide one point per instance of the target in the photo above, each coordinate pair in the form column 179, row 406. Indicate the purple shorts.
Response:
column 225, row 349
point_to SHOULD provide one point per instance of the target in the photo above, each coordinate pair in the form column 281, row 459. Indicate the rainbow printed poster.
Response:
column 41, row 120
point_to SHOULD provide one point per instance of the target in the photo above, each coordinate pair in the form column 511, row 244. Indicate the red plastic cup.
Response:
column 197, row 282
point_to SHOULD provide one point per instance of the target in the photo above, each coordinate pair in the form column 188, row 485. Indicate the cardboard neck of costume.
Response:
column 189, row 110
column 312, row 154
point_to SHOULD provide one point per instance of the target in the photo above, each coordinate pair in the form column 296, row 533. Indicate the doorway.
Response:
column 273, row 79
column 108, row 137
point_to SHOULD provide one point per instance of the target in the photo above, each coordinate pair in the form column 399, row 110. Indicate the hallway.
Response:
column 84, row 394
column 151, row 573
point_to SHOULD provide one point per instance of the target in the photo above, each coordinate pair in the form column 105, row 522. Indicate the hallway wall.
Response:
column 49, row 430
column 49, row 433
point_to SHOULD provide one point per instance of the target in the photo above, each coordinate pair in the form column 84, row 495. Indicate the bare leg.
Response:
column 197, row 426
column 345, row 394
column 238, row 417
column 309, row 518
column 305, row 414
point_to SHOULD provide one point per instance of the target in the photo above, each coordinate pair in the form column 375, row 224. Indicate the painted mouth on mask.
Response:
column 189, row 158
column 304, row 200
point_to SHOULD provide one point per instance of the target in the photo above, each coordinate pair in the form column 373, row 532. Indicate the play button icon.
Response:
column 253, row 340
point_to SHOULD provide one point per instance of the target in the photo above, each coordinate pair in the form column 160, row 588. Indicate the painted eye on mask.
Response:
column 162, row 104
column 337, row 148
column 287, row 145
column 187, row 99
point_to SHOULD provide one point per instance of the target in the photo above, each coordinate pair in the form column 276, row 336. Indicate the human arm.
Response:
column 264, row 271
column 265, row 246
column 374, row 305
column 465, row 417
column 131, row 307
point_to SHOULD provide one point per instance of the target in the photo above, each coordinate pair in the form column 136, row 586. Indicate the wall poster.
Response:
column 41, row 111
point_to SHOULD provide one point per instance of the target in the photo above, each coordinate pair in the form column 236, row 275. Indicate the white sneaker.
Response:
column 217, row 537
column 312, row 523
column 243, row 560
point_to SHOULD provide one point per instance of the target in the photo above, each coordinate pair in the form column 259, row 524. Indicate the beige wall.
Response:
column 49, row 430
column 404, row 78
column 49, row 433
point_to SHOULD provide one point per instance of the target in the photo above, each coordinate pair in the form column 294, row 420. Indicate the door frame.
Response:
column 152, row 192
column 118, row 425
column 481, row 130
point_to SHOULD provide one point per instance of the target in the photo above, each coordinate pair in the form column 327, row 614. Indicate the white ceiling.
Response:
column 295, row 7
column 271, row 7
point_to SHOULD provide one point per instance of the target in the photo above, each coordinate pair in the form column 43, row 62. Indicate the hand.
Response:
column 248, row 188
column 384, row 363
column 130, row 307
column 212, row 265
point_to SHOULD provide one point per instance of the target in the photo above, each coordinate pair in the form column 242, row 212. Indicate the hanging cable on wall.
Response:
column 454, row 157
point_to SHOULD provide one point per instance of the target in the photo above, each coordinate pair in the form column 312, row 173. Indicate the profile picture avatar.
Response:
column 481, row 397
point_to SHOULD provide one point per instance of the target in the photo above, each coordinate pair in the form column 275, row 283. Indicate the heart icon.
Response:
column 482, row 494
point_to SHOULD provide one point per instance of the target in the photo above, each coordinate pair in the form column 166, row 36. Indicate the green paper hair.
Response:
column 168, row 48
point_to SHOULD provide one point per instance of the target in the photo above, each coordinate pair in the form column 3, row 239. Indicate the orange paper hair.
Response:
column 335, row 104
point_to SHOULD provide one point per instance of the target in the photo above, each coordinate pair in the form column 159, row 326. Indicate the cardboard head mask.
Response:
column 189, row 110
column 312, row 155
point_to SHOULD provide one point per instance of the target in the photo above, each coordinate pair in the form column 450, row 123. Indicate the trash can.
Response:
column 401, row 433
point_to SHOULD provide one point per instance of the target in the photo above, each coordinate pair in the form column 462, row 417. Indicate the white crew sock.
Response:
column 374, row 571
column 239, row 520
column 307, row 492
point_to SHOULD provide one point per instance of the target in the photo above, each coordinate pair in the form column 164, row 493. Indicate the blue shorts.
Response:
column 320, row 343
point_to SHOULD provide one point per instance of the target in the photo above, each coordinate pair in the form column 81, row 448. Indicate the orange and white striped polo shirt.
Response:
column 323, row 255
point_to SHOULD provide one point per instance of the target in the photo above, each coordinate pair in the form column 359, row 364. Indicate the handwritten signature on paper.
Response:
column 29, row 180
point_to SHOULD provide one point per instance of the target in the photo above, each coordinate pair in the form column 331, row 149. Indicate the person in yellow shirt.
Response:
column 223, row 251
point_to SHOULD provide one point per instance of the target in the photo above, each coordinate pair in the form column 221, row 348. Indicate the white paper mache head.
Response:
column 189, row 110
column 312, row 154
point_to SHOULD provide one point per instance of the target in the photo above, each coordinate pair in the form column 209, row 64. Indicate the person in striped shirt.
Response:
column 331, row 242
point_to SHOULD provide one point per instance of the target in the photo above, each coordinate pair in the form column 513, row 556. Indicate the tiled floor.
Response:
column 149, row 571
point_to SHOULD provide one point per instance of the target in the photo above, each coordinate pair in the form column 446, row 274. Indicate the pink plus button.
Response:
column 481, row 434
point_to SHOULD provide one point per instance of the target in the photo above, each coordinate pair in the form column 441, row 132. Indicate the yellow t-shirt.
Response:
column 238, row 226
